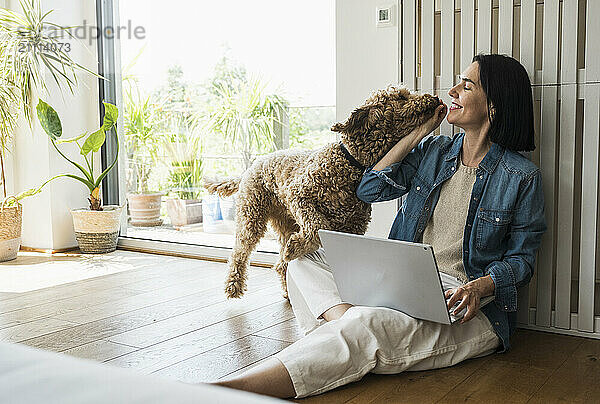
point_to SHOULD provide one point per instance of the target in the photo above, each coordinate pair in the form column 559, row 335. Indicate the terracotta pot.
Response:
column 10, row 231
column 144, row 209
column 97, row 232
column 184, row 211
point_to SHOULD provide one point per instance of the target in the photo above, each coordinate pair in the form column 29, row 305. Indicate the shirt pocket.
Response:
column 492, row 228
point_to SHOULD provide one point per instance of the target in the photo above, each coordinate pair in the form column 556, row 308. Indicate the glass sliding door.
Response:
column 205, row 88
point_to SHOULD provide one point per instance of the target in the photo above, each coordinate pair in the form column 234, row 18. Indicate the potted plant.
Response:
column 11, row 217
column 185, row 178
column 143, row 144
column 96, row 227
column 27, row 43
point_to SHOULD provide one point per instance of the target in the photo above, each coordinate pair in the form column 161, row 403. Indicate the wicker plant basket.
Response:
column 97, row 232
column 10, row 230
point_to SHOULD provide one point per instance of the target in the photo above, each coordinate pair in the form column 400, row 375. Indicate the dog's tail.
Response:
column 222, row 188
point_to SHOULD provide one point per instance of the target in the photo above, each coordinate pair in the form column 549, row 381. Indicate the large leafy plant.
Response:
column 91, row 144
column 30, row 46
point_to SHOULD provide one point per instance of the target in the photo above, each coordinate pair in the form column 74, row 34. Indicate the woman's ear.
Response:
column 492, row 113
column 358, row 122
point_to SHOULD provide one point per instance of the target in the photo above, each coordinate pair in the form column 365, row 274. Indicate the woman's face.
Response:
column 468, row 109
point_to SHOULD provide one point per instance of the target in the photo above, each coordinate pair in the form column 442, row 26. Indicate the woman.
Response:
column 475, row 199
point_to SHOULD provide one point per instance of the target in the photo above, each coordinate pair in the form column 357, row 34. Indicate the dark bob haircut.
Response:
column 510, row 103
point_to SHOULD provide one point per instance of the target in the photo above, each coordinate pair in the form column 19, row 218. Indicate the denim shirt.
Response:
column 505, row 220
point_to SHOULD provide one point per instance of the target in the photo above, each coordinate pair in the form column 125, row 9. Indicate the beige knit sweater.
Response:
column 446, row 226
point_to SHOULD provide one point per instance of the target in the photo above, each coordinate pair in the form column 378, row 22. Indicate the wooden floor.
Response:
column 169, row 317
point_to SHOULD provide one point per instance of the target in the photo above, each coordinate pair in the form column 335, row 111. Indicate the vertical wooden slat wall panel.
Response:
column 527, row 35
column 409, row 44
column 589, row 197
column 505, row 27
column 566, row 168
column 467, row 33
column 427, row 49
column 447, row 58
column 484, row 26
column 548, row 160
column 527, row 59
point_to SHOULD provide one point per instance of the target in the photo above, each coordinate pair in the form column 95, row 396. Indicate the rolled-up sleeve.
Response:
column 527, row 229
column 393, row 181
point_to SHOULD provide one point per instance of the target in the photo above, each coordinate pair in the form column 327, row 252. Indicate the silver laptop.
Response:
column 400, row 275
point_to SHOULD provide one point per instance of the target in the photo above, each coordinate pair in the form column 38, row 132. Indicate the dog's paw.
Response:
column 294, row 248
column 234, row 290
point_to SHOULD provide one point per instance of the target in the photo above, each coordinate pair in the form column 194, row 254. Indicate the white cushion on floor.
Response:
column 30, row 375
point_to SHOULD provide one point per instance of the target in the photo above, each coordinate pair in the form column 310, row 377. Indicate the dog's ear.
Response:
column 358, row 122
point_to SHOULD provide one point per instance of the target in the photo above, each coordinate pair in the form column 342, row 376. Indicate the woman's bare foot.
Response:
column 336, row 311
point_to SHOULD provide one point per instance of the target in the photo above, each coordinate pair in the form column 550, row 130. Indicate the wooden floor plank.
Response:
column 214, row 364
column 575, row 381
column 141, row 300
column 78, row 303
column 100, row 351
column 287, row 331
column 499, row 381
column 174, row 326
column 127, row 279
column 33, row 329
column 108, row 327
column 540, row 349
column 175, row 350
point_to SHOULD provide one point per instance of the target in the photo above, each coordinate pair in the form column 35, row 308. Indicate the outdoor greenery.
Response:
column 246, row 117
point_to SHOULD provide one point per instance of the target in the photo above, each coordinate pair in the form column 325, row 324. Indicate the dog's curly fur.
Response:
column 300, row 192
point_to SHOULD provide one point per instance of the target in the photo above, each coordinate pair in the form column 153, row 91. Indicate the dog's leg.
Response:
column 281, row 268
column 307, row 239
column 251, row 225
column 285, row 226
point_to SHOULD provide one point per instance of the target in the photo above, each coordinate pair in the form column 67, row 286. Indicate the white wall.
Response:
column 367, row 59
column 47, row 221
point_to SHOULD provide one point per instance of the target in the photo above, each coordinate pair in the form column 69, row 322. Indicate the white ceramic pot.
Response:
column 97, row 232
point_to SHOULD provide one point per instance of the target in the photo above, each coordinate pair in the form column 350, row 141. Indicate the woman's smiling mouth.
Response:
column 454, row 106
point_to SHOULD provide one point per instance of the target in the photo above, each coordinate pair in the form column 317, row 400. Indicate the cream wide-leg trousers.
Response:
column 366, row 339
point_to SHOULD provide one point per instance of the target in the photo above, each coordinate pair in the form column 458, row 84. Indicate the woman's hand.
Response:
column 433, row 122
column 409, row 142
column 470, row 296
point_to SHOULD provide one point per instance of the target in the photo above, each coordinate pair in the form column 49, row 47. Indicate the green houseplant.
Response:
column 96, row 227
column 29, row 48
column 185, row 178
column 141, row 121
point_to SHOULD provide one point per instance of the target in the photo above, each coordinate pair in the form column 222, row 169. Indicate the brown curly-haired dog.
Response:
column 300, row 192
